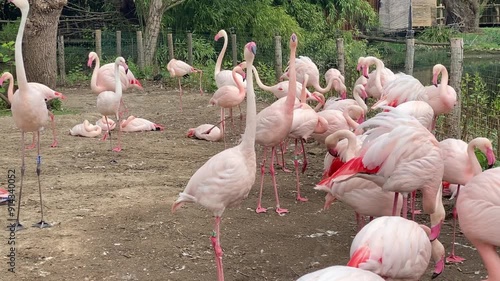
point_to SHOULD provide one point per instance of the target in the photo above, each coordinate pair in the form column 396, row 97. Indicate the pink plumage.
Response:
column 375, row 80
column 341, row 273
column 207, row 132
column 85, row 129
column 136, row 124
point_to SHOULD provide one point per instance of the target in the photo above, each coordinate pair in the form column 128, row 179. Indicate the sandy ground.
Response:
column 112, row 221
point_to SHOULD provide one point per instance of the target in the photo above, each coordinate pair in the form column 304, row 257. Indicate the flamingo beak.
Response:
column 294, row 37
column 317, row 98
column 89, row 62
column 343, row 95
column 333, row 152
column 436, row 85
column 217, row 37
column 491, row 157
column 60, row 95
column 253, row 48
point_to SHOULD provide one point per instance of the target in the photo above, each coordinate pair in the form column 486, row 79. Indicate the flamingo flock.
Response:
column 375, row 166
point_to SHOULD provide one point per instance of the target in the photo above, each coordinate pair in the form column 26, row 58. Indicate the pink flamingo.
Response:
column 421, row 110
column 478, row 207
column 280, row 90
column 226, row 179
column 341, row 145
column 305, row 122
column 103, row 78
column 376, row 79
column 396, row 249
column 136, row 124
column 207, row 132
column 359, row 95
column 85, row 130
column 442, row 98
column 48, row 94
column 341, row 273
column 338, row 120
column 105, row 124
column 460, row 166
column 178, row 68
column 229, row 96
column 29, row 111
column 333, row 72
column 399, row 155
column 402, row 89
column 108, row 102
column 273, row 125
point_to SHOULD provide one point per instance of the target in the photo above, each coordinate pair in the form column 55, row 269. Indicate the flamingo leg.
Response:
column 360, row 221
column 215, row 238
column 405, row 205
column 33, row 142
column 223, row 124
column 42, row 223
column 18, row 225
column 279, row 210
column 259, row 208
column 118, row 148
column 304, row 164
column 296, row 164
column 283, row 146
column 180, row 93
column 231, row 116
column 452, row 257
column 53, row 125
column 201, row 89
column 109, row 132
column 413, row 211
column 395, row 206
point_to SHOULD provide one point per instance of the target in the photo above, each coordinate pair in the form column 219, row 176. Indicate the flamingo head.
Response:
column 252, row 47
column 333, row 152
column 435, row 78
column 220, row 34
column 59, row 96
column 318, row 97
column 92, row 56
column 21, row 4
column 121, row 62
column 4, row 77
column 490, row 156
column 329, row 199
column 343, row 94
column 363, row 94
column 365, row 71
column 190, row 133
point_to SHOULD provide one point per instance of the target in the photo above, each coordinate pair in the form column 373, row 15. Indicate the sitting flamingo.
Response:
column 135, row 124
column 103, row 123
column 207, row 132
column 85, row 130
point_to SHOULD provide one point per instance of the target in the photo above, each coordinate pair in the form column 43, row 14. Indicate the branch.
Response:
column 173, row 3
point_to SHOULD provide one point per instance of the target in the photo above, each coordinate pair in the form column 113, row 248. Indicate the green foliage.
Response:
column 440, row 34
column 76, row 76
column 487, row 39
column 9, row 31
column 483, row 161
column 55, row 105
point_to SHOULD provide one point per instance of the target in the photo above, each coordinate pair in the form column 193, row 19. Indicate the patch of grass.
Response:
column 487, row 39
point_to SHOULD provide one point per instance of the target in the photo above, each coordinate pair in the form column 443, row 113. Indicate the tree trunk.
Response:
column 153, row 24
column 40, row 41
column 463, row 13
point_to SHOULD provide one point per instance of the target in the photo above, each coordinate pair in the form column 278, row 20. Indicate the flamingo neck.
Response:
column 218, row 65
column 475, row 166
column 359, row 100
column 292, row 82
column 347, row 115
column 379, row 66
column 10, row 89
column 303, row 95
column 118, row 83
column 444, row 82
column 352, row 143
column 259, row 82
column 93, row 80
column 20, row 71
column 328, row 87
column 320, row 104
column 248, row 139
column 238, row 82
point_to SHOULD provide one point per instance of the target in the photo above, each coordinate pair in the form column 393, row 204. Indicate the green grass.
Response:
column 486, row 40
column 65, row 111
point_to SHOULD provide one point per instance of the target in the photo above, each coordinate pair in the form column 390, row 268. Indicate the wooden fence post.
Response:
column 170, row 42
column 190, row 48
column 140, row 51
column 118, row 43
column 410, row 56
column 278, row 57
column 234, row 47
column 60, row 59
column 453, row 120
column 98, row 44
column 341, row 55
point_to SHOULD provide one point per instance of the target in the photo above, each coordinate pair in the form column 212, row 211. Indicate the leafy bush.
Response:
column 441, row 34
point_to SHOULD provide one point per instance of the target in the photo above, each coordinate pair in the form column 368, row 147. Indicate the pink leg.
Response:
column 223, row 124
column 125, row 109
column 296, row 164
column 452, row 257
column 262, row 172
column 304, row 164
column 105, row 136
column 180, row 93
column 360, row 221
column 405, row 206
column 413, row 211
column 33, row 143
column 53, row 125
column 395, row 206
column 283, row 150
column 118, row 148
column 279, row 210
column 215, row 238
column 109, row 132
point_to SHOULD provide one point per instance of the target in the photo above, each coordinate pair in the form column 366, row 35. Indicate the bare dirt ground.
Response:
column 113, row 221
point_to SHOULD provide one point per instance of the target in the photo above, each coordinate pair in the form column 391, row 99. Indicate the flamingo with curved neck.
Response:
column 29, row 110
column 358, row 93
column 441, row 97
column 85, row 130
column 377, row 78
column 225, row 77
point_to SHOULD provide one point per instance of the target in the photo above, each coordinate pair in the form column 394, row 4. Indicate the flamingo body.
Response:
column 341, row 273
column 85, row 130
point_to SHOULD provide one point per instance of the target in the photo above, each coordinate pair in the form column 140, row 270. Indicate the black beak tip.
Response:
column 490, row 166
column 436, row 85
column 435, row 274
column 366, row 76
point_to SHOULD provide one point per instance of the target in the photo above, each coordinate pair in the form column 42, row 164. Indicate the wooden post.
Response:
column 278, row 57
column 118, row 43
column 140, row 51
column 453, row 120
column 98, row 45
column 341, row 55
column 440, row 19
column 497, row 10
column 60, row 59
column 190, row 48
column 234, row 47
column 410, row 55
column 170, row 42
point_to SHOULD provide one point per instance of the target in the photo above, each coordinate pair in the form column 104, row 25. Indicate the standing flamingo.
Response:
column 400, row 155
column 442, row 98
column 135, row 124
column 478, row 207
column 273, row 125
column 460, row 166
column 226, row 179
column 396, row 248
column 341, row 273
column 48, row 94
column 178, row 68
column 29, row 111
column 85, row 130
column 229, row 96
column 108, row 102
column 207, row 132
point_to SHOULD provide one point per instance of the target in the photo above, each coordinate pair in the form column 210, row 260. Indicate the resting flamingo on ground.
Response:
column 85, row 129
column 399, row 155
column 207, row 132
column 273, row 125
column 226, row 179
column 47, row 93
column 178, row 68
column 460, row 166
column 136, row 124
column 478, row 207
column 376, row 79
column 108, row 102
column 305, row 122
column 341, row 273
column 442, row 98
column 229, row 96
column 396, row 249
column 29, row 111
